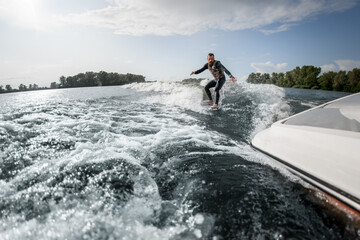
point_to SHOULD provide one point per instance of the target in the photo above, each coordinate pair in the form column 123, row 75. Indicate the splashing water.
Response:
column 148, row 161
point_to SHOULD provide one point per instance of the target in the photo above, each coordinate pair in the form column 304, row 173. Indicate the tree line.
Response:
column 102, row 78
column 8, row 88
column 308, row 77
column 192, row 80
column 88, row 79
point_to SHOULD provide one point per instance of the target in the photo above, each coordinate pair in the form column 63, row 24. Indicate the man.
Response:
column 217, row 70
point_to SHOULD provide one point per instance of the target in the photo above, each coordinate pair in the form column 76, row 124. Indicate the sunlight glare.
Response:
column 25, row 13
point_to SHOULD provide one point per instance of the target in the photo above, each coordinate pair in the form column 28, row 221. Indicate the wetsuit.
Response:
column 217, row 70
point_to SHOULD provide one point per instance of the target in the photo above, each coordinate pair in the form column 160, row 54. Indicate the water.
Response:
column 149, row 161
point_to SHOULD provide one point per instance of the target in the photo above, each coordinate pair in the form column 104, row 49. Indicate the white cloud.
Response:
column 344, row 65
column 328, row 67
column 269, row 67
column 348, row 65
column 186, row 17
column 281, row 28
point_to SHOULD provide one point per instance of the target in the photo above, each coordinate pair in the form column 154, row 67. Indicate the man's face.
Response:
column 210, row 59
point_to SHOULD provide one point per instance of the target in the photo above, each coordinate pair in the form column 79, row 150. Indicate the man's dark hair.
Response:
column 211, row 54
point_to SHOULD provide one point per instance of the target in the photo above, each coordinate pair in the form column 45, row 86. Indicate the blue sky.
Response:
column 166, row 40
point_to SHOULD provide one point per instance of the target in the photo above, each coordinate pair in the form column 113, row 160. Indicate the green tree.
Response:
column 70, row 82
column 353, row 80
column 33, row 86
column 54, row 85
column 192, row 80
column 280, row 79
column 251, row 78
column 99, row 79
column 91, row 79
column 266, row 78
column 340, row 81
column 255, row 78
column 63, row 82
column 274, row 79
column 297, row 79
column 326, row 80
column 290, row 79
column 309, row 76
column 22, row 87
column 114, row 78
column 79, row 80
column 8, row 88
column 103, row 79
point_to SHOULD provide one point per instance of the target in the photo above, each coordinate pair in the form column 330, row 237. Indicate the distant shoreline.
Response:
column 87, row 79
column 28, row 90
column 46, row 88
column 307, row 77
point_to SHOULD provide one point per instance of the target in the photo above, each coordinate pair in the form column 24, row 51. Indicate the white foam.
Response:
column 270, row 105
column 81, row 223
column 204, row 82
column 186, row 96
column 198, row 233
column 11, row 126
column 199, row 218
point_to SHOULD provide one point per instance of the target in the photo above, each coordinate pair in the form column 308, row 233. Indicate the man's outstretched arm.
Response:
column 200, row 70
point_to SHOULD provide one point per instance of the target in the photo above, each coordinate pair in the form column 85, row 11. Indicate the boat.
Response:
column 322, row 146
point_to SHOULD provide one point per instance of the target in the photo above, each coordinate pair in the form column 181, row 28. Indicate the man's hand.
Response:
column 192, row 73
column 233, row 79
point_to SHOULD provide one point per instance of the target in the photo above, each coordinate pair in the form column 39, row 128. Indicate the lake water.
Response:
column 149, row 161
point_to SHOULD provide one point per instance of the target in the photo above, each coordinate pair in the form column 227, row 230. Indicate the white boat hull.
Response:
column 321, row 145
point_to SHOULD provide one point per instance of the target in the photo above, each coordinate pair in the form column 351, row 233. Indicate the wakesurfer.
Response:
column 217, row 70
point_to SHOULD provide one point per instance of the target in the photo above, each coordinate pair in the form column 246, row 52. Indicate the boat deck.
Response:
column 343, row 114
column 322, row 146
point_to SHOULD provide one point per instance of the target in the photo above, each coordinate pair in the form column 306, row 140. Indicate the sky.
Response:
column 166, row 40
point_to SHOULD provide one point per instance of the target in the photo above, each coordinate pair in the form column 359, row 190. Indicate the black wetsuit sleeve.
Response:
column 202, row 69
column 219, row 65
